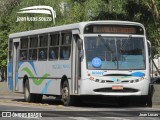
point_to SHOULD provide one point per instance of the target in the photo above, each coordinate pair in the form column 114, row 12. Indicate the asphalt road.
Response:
column 50, row 109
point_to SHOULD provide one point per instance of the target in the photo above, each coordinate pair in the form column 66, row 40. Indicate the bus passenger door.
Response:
column 15, row 63
column 76, row 64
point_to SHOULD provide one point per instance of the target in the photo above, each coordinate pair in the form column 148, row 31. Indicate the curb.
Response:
column 4, row 90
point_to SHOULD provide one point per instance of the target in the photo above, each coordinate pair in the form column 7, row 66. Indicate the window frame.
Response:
column 42, row 47
column 32, row 48
column 21, row 58
column 58, row 46
column 65, row 45
column 54, row 46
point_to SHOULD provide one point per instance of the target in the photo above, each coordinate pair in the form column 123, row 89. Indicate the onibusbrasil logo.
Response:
column 37, row 10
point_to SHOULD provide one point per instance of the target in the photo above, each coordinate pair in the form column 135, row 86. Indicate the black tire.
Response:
column 67, row 99
column 29, row 97
column 149, row 101
column 149, row 96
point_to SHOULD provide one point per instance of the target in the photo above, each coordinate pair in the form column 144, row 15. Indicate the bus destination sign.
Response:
column 114, row 29
column 111, row 29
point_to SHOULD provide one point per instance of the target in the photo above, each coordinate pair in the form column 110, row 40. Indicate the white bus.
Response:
column 95, row 58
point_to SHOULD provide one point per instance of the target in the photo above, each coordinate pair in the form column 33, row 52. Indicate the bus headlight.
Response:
column 141, row 78
column 91, row 78
column 137, row 80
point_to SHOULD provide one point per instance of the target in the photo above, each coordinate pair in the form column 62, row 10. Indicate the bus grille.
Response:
column 110, row 90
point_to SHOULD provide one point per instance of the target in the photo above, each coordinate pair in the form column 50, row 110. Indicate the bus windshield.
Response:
column 126, row 53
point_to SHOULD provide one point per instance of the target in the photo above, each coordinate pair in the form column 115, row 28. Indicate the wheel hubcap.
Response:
column 65, row 93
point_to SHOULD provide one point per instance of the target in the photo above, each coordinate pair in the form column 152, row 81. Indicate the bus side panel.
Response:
column 45, row 77
column 48, row 86
column 10, row 77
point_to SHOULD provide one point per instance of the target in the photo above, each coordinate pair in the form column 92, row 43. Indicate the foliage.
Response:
column 143, row 11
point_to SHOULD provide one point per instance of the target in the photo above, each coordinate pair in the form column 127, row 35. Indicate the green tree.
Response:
column 72, row 11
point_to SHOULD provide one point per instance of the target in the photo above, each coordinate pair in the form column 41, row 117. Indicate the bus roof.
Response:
column 70, row 27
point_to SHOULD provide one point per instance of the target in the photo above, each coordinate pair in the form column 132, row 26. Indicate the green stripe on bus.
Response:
column 35, row 81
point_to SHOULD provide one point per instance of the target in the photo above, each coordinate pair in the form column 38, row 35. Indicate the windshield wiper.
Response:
column 114, row 59
column 106, row 45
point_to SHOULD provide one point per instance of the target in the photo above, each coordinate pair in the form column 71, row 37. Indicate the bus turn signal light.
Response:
column 91, row 78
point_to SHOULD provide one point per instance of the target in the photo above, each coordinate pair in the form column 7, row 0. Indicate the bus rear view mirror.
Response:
column 81, row 54
column 80, row 44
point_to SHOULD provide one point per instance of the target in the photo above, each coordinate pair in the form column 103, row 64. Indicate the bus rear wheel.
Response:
column 29, row 97
column 67, row 99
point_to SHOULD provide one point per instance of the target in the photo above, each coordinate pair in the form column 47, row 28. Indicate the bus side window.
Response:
column 33, row 47
column 66, row 38
column 54, row 46
column 65, row 48
column 24, row 48
column 23, row 55
column 33, row 54
column 42, row 54
column 53, row 53
column 65, row 52
column 43, row 44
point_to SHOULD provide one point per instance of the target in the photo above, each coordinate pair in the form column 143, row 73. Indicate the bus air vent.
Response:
column 110, row 90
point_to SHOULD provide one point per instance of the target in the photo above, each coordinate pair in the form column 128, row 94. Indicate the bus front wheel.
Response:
column 66, row 97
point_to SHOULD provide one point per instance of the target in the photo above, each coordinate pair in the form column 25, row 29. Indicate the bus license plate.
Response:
column 117, row 87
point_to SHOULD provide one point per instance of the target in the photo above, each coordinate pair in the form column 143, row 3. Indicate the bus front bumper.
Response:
column 88, row 87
